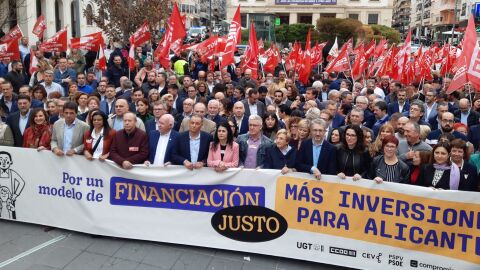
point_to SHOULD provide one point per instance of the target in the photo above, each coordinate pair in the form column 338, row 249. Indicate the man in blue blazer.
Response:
column 162, row 140
column 240, row 117
column 191, row 147
column 401, row 105
column 318, row 156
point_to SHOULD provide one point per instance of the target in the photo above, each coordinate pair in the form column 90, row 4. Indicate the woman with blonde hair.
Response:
column 37, row 76
column 303, row 133
column 375, row 148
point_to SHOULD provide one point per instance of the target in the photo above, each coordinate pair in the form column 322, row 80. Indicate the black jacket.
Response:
column 427, row 172
column 377, row 168
column 275, row 159
column 351, row 162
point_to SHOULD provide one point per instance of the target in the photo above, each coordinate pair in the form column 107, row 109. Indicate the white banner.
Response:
column 357, row 224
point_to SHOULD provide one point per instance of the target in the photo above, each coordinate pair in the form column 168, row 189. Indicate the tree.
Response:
column 381, row 31
column 344, row 29
column 120, row 18
column 9, row 13
column 292, row 32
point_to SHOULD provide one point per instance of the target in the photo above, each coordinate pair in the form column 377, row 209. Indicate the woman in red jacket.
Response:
column 98, row 139
column 39, row 134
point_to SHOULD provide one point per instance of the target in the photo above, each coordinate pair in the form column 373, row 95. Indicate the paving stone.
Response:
column 132, row 250
column 224, row 264
column 119, row 264
column 76, row 241
column 146, row 267
column 162, row 256
column 87, row 260
column 105, row 246
column 192, row 261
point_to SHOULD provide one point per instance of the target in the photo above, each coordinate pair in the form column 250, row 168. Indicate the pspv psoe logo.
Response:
column 249, row 223
column 11, row 186
column 343, row 251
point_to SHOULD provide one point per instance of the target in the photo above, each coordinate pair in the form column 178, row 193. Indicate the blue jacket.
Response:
column 434, row 135
column 326, row 162
column 394, row 108
column 68, row 74
column 181, row 149
column 338, row 121
column 153, row 137
column 104, row 107
column 474, row 136
column 378, row 124
column 265, row 143
column 275, row 159
column 150, row 125
column 244, row 127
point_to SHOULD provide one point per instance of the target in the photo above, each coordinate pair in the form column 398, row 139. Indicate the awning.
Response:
column 450, row 32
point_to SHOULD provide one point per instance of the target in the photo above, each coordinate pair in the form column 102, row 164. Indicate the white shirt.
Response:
column 98, row 152
column 400, row 106
column 253, row 108
column 161, row 149
column 239, row 123
column 429, row 110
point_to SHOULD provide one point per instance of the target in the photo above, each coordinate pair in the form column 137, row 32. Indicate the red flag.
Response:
column 207, row 48
column 142, row 35
column 14, row 33
column 252, row 61
column 102, row 61
column 370, row 49
column 9, row 51
column 401, row 59
column 57, row 43
column 381, row 47
column 317, row 53
column 306, row 66
column 341, row 63
column 39, row 27
column 175, row 30
column 261, row 47
column 360, row 63
column 90, row 42
column 333, row 53
column 465, row 63
column 273, row 58
column 234, row 37
column 292, row 56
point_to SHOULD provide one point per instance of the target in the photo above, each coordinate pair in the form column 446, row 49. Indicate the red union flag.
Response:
column 207, row 48
column 306, row 66
column 141, row 36
column 102, row 61
column 9, row 51
column 90, row 42
column 273, row 58
column 252, row 61
column 317, row 53
column 57, row 43
column 14, row 33
column 370, row 49
column 39, row 27
column 233, row 38
column 360, row 63
column 175, row 30
column 341, row 63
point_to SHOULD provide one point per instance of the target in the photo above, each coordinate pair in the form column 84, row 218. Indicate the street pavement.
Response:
column 34, row 247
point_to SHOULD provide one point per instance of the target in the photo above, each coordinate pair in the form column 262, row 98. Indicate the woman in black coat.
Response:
column 388, row 167
column 353, row 160
column 281, row 156
column 441, row 173
column 459, row 155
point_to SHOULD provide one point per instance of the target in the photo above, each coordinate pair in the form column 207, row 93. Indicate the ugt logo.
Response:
column 11, row 186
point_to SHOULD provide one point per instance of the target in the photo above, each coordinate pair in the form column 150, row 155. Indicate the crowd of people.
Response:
column 193, row 116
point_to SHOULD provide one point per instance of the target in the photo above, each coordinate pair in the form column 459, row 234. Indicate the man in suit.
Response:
column 434, row 122
column 187, row 112
column 67, row 132
column 465, row 114
column 380, row 112
column 161, row 141
column 252, row 105
column 318, row 156
column 240, row 118
column 446, row 126
column 401, row 105
column 191, row 147
column 417, row 110
column 430, row 106
column 19, row 120
column 28, row 91
column 130, row 145
column 159, row 109
column 177, row 99
column 213, row 110
column 337, row 119
column 108, row 104
column 116, row 121
column 8, row 102
column 207, row 125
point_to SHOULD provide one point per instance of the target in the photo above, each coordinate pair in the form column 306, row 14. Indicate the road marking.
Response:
column 32, row 250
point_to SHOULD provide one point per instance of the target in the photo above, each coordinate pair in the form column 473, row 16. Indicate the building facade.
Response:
column 401, row 16
column 309, row 11
column 57, row 13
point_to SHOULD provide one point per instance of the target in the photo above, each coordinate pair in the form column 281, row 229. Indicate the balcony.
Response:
column 448, row 17
column 447, row 5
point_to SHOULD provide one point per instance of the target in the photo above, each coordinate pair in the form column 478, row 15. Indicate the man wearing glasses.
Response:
column 253, row 144
column 446, row 126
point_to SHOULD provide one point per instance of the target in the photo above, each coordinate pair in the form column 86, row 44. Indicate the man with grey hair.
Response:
column 253, row 144
column 207, row 125
column 50, row 85
column 465, row 114
column 373, row 89
column 213, row 109
column 116, row 120
column 161, row 141
column 240, row 118
column 317, row 153
column 406, row 148
column 417, row 110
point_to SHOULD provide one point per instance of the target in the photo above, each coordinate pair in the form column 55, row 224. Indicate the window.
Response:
column 243, row 18
column 353, row 16
column 305, row 18
column 89, row 11
column 464, row 8
column 373, row 18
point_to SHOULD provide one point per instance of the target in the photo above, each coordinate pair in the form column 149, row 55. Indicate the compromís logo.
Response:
column 249, row 223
